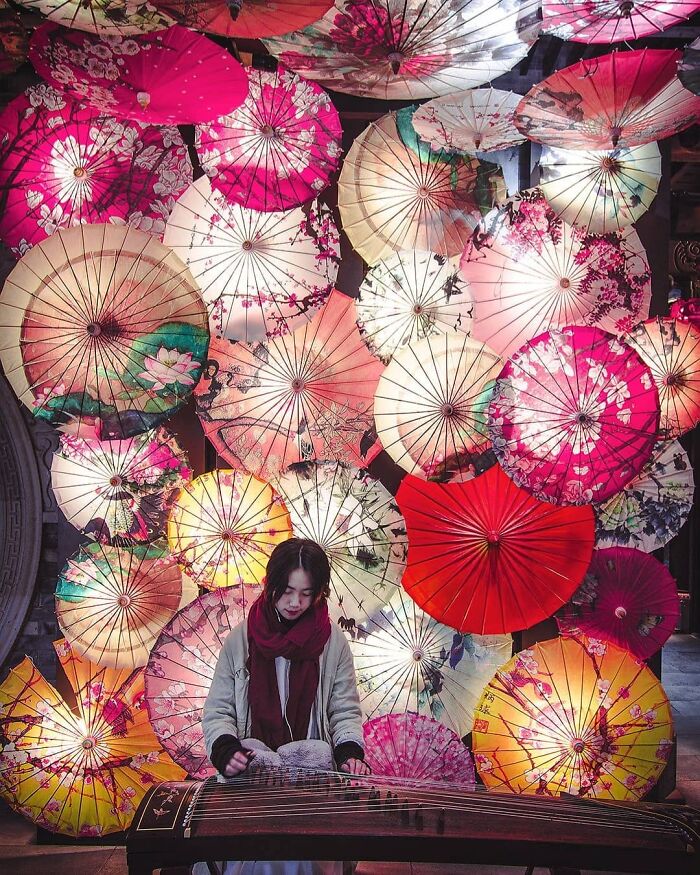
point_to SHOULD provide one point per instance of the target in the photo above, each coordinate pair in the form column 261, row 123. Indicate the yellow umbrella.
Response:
column 83, row 769
column 223, row 527
column 577, row 716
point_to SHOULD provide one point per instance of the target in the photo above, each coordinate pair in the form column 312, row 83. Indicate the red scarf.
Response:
column 302, row 643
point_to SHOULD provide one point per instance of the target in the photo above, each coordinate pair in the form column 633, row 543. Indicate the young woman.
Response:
column 285, row 674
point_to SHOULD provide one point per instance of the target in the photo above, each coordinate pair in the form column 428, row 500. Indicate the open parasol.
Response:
column 107, row 18
column 223, row 527
column 612, row 21
column 112, row 602
column 102, row 331
column 246, row 19
column 82, row 767
column 119, row 490
column 485, row 556
column 407, row 661
column 180, row 669
column 475, row 120
column 653, row 506
column 306, row 395
column 398, row 195
column 527, row 271
column 574, row 415
column 62, row 165
column 671, row 350
column 359, row 525
column 261, row 274
column 689, row 67
column 570, row 716
column 278, row 149
column 431, row 402
column 602, row 191
column 166, row 78
column 615, row 101
column 627, row 597
column 409, row 296
column 416, row 748
column 406, row 49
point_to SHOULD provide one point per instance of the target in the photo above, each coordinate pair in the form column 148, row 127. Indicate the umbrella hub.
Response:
column 585, row 420
column 107, row 329
column 615, row 134
column 423, row 192
column 80, row 172
column 298, row 385
column 493, row 537
column 620, row 612
column 269, row 132
column 448, row 410
column 247, row 246
column 89, row 743
column 626, row 8
column 115, row 480
column 565, row 283
column 228, row 535
column 674, row 380
column 418, row 309
column 143, row 99
column 234, row 8
column 395, row 59
column 578, row 745
column 124, row 600
column 418, row 654
column 610, row 164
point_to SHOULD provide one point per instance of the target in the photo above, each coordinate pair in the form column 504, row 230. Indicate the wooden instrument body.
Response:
column 328, row 819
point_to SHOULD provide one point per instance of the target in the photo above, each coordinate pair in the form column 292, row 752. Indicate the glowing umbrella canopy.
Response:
column 486, row 557
column 105, row 17
column 404, row 49
column 247, row 19
column 407, row 661
column 527, row 271
column 303, row 396
column 119, row 490
column 409, row 296
column 571, row 716
column 616, row 101
column 180, row 669
column 431, row 402
column 627, row 597
column 165, row 78
column 278, row 149
column 223, row 527
column 671, row 350
column 417, row 748
column 653, row 506
column 359, row 525
column 261, row 274
column 62, row 165
column 112, row 602
column 602, row 191
column 102, row 330
column 574, row 415
column 611, row 21
column 398, row 195
column 83, row 769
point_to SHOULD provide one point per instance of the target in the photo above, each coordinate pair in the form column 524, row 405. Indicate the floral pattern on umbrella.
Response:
column 574, row 415
column 653, row 506
column 80, row 770
column 359, row 525
column 102, row 331
column 612, row 21
column 261, row 274
column 307, row 395
column 119, row 490
column 278, row 149
column 246, row 19
column 573, row 716
column 405, row 49
column 63, row 165
column 180, row 669
column 165, row 78
column 527, row 271
column 108, row 18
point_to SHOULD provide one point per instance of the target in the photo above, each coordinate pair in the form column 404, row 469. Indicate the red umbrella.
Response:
column 247, row 19
column 624, row 99
column 626, row 597
column 485, row 556
column 612, row 21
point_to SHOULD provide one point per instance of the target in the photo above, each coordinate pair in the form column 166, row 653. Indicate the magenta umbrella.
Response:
column 62, row 165
column 172, row 76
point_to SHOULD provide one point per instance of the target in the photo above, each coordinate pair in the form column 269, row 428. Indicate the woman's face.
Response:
column 297, row 597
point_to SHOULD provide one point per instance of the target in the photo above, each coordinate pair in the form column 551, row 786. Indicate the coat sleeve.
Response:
column 219, row 716
column 344, row 713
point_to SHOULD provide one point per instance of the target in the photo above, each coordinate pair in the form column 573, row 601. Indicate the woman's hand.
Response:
column 238, row 763
column 353, row 766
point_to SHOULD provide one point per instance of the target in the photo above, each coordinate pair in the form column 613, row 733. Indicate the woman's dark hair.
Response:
column 292, row 554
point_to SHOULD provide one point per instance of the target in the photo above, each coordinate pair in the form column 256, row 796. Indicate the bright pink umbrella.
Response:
column 574, row 415
column 278, row 149
column 167, row 77
column 416, row 747
column 62, row 164
column 626, row 597
column 611, row 21
column 180, row 669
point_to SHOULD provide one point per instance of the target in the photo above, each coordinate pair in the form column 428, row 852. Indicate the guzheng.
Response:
column 274, row 814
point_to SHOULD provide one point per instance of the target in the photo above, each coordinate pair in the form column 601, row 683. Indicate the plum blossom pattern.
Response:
column 574, row 416
column 63, row 165
column 279, row 149
column 180, row 669
column 575, row 716
column 79, row 772
column 609, row 21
